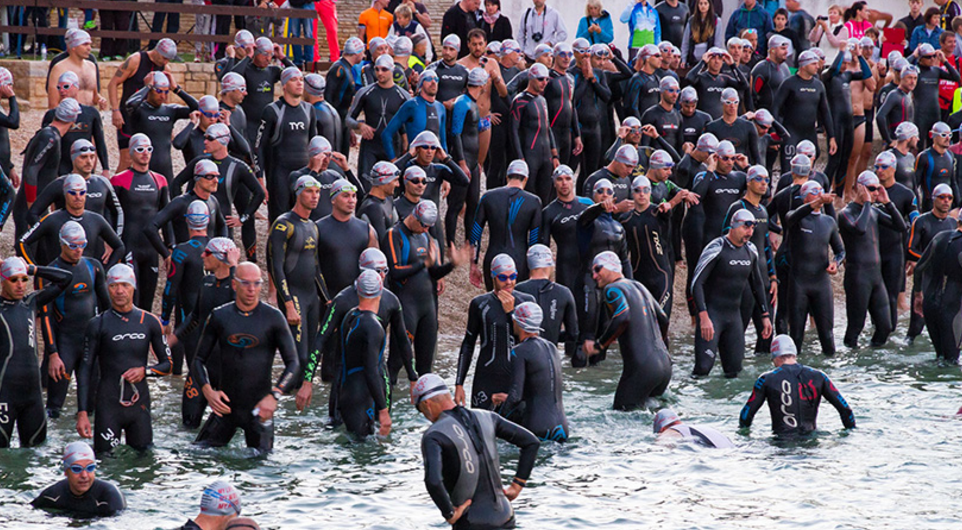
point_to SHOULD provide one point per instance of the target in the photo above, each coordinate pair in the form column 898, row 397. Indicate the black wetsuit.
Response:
column 904, row 168
column 8, row 121
column 797, row 105
column 184, row 279
column 173, row 215
column 329, row 124
column 414, row 283
column 89, row 126
column 464, row 142
column 326, row 178
column 668, row 125
column 487, row 320
column 117, row 342
column 895, row 243
column 924, row 229
column 141, row 196
column 513, row 217
column 897, row 107
column 293, row 266
column 536, row 387
column 448, row 171
column 559, row 309
column 247, row 342
column 41, row 243
column 694, row 126
column 212, row 294
column 531, row 139
column 636, row 321
column 190, row 141
column 452, row 80
column 621, row 185
column 236, row 186
column 499, row 151
column 793, row 393
column 741, row 133
column 598, row 231
column 363, row 379
column 21, row 399
column 339, row 246
column 461, row 463
column 710, row 87
column 238, row 122
column 379, row 213
column 591, row 98
column 129, row 87
column 642, row 92
column 652, row 260
column 767, row 76
column 242, row 200
column 864, row 288
column 379, row 105
column 559, row 94
column 280, row 147
column 763, row 244
column 809, row 235
column 939, row 275
column 717, row 287
column 260, row 90
column 103, row 499
column 932, row 169
column 41, row 162
column 101, row 199
column 65, row 321
column 559, row 222
column 339, row 92
column 837, row 82
column 158, row 124
column 926, row 93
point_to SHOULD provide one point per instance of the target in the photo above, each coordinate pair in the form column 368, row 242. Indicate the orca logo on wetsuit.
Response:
column 94, row 195
column 465, row 451
column 715, row 88
column 131, row 336
column 158, row 118
column 243, row 340
column 788, row 418
column 737, row 262
column 728, row 191
column 569, row 218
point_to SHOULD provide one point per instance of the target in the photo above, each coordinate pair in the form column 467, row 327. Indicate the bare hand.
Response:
column 233, row 256
column 507, row 301
column 707, row 328
column 15, row 178
column 512, row 491
column 459, row 255
column 340, row 160
column 459, row 395
column 266, row 407
column 367, row 132
column 233, row 221
column 441, row 284
column 590, row 348
column 384, row 421
column 293, row 317
column 883, row 195
column 445, row 189
column 459, row 511
column 55, row 367
column 83, row 425
column 766, row 328
column 495, row 118
column 195, row 117
column 832, row 146
column 832, row 268
column 711, row 163
column 230, row 51
column 499, row 398
column 117, row 119
column 6, row 91
column 649, row 130
column 475, row 276
column 172, row 340
column 217, row 400
column 304, row 394
column 578, row 147
column 135, row 374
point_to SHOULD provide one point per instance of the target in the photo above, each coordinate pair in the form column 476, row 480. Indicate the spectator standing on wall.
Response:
column 540, row 24
column 327, row 12
column 375, row 21
column 496, row 26
column 596, row 25
column 298, row 27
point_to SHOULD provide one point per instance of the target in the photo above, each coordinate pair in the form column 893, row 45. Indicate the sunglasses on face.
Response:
column 144, row 149
column 77, row 193
column 77, row 469
column 76, row 246
column 748, row 224
column 597, row 269
column 162, row 90
column 428, row 147
column 872, row 189
column 507, row 277
column 251, row 283
column 727, row 158
column 605, row 191
column 418, row 181
column 944, row 197
column 209, row 177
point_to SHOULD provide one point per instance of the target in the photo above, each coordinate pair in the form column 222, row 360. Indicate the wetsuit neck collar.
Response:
column 249, row 311
column 122, row 313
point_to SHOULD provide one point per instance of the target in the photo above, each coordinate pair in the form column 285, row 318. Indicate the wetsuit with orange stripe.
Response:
column 117, row 342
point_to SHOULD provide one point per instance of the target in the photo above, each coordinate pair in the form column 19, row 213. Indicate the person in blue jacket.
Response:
column 421, row 113
column 596, row 25
column 644, row 26
column 750, row 15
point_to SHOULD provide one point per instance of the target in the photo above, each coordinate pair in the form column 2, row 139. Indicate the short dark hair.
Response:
column 781, row 11
column 956, row 24
column 477, row 32
column 946, row 35
column 929, row 13
column 495, row 2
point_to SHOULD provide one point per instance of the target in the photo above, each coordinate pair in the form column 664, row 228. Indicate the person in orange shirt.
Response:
column 375, row 21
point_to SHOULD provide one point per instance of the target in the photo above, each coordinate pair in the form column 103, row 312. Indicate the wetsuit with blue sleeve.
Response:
column 465, row 147
column 793, row 393
column 634, row 318
column 64, row 321
column 362, row 389
column 415, row 115
column 116, row 342
column 537, row 384
column 21, row 398
column 184, row 277
column 513, row 218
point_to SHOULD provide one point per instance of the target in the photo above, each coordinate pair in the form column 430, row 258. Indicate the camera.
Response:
column 537, row 36
column 822, row 17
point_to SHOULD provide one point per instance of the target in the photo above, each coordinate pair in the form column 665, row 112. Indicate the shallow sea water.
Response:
column 899, row 469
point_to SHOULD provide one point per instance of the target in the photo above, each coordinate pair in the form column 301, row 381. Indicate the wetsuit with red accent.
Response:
column 41, row 160
column 532, row 141
column 141, row 196
column 559, row 94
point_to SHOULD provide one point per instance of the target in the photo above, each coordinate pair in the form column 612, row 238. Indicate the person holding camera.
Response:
column 540, row 25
